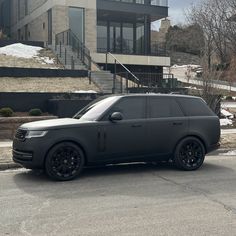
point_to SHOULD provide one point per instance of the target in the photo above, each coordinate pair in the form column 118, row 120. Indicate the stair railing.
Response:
column 68, row 38
column 128, row 74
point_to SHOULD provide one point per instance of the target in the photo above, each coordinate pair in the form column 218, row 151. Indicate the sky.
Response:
column 176, row 10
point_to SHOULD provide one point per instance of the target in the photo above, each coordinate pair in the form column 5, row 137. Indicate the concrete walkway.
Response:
column 7, row 143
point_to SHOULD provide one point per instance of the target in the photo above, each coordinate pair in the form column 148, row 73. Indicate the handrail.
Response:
column 67, row 37
column 137, row 79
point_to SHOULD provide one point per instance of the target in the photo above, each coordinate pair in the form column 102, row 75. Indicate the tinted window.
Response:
column 164, row 107
column 94, row 110
column 195, row 107
column 131, row 107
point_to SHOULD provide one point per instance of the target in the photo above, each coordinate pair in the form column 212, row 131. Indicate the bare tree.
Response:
column 213, row 17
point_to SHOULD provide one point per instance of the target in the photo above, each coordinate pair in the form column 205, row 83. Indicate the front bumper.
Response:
column 30, row 153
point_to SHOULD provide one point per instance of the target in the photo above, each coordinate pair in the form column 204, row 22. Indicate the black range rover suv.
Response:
column 117, row 129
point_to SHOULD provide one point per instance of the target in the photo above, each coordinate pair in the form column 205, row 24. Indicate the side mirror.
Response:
column 116, row 116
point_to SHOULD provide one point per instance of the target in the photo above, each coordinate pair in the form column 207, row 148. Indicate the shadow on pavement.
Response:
column 129, row 179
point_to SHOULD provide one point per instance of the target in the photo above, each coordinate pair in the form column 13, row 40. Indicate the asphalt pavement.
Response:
column 122, row 200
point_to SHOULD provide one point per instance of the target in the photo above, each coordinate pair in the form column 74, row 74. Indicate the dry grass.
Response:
column 5, row 155
column 66, row 84
column 10, row 61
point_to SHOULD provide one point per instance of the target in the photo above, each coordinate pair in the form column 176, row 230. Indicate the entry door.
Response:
column 127, row 138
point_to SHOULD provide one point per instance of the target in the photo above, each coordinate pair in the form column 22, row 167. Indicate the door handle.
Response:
column 136, row 125
column 177, row 123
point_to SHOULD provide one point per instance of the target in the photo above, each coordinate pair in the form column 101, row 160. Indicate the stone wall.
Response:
column 91, row 29
column 38, row 28
column 34, row 4
column 9, row 125
column 60, row 20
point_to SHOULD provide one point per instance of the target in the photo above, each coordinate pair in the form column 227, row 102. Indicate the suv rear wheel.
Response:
column 189, row 154
column 64, row 161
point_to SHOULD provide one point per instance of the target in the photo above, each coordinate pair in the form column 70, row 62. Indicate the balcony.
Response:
column 130, row 47
column 160, row 3
column 156, row 9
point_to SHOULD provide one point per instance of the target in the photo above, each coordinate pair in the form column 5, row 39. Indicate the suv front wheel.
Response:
column 64, row 161
column 189, row 154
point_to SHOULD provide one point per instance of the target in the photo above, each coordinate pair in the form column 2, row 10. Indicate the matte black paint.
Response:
column 106, row 141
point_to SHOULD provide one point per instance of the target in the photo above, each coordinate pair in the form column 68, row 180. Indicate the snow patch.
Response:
column 47, row 60
column 230, row 153
column 20, row 50
column 85, row 91
column 25, row 51
column 226, row 114
column 225, row 122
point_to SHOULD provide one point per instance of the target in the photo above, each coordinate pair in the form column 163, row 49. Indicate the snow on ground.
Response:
column 229, row 104
column 85, row 91
column 225, row 122
column 186, row 66
column 20, row 50
column 47, row 60
column 227, row 114
column 230, row 153
column 25, row 51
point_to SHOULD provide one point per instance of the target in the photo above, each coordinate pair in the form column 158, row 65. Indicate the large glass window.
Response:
column 128, row 38
column 140, row 38
column 102, row 36
column 26, row 7
column 50, row 26
column 115, row 37
column 76, row 22
column 125, row 37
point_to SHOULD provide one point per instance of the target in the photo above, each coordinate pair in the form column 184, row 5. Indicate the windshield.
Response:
column 95, row 109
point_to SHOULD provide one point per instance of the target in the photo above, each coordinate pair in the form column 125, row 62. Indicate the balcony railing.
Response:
column 129, row 47
column 161, row 3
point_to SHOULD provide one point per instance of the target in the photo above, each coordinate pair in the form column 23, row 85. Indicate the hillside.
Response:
column 24, row 56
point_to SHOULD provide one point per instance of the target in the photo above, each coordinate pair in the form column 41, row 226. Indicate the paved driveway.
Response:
column 122, row 200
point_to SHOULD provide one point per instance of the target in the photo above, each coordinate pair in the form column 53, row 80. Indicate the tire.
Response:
column 189, row 154
column 64, row 161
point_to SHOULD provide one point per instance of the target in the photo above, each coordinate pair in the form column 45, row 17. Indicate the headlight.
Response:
column 35, row 134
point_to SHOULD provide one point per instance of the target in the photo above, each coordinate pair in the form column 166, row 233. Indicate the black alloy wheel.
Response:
column 189, row 154
column 64, row 161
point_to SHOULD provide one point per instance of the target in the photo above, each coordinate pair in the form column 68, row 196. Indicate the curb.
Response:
column 7, row 166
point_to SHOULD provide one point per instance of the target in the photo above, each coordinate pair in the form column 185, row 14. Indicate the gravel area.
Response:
column 5, row 155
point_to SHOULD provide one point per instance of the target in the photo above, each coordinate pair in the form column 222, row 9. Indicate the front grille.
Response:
column 20, row 134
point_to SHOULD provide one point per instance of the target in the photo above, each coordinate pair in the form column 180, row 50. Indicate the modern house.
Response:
column 121, row 27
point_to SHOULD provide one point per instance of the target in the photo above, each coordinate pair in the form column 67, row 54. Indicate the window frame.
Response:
column 106, row 115
column 164, row 117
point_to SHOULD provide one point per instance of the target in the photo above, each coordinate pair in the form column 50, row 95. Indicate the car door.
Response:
column 166, row 125
column 124, row 139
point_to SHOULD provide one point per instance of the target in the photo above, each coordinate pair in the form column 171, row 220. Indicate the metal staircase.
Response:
column 74, row 55
column 105, row 81
column 71, row 52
